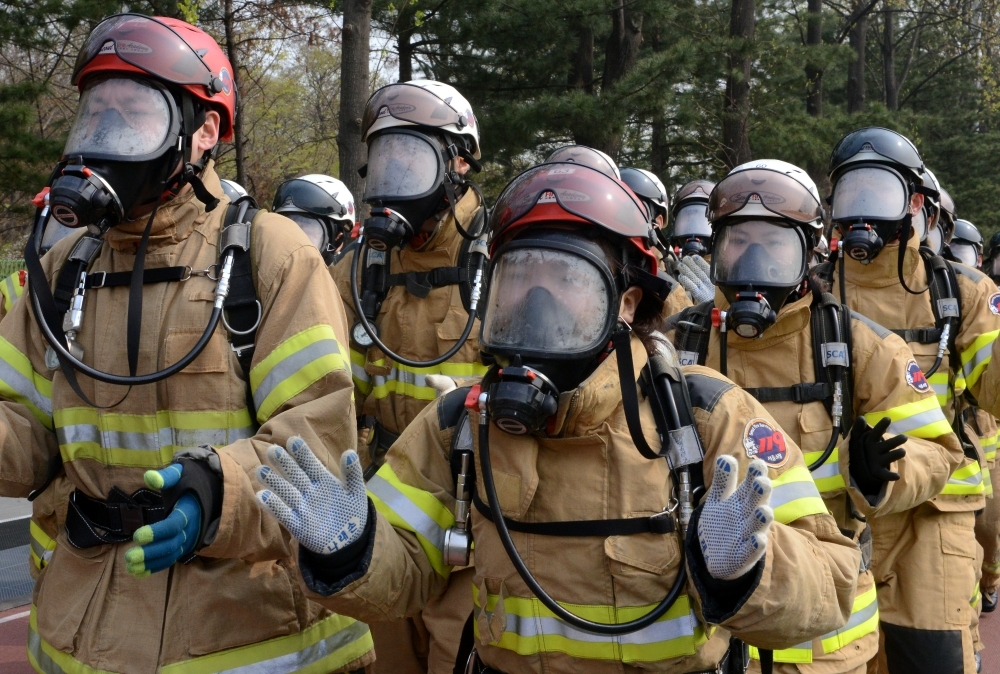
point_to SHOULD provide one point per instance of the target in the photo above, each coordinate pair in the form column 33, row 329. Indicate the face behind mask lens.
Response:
column 692, row 220
column 870, row 192
column 119, row 118
column 313, row 228
column 552, row 302
column 934, row 240
column 965, row 253
column 759, row 254
column 402, row 165
column 919, row 224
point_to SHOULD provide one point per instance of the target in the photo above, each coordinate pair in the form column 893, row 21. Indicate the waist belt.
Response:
column 91, row 521
column 920, row 336
column 800, row 393
column 661, row 523
column 378, row 446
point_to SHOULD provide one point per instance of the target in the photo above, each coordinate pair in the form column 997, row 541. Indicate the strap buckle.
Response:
column 131, row 517
column 103, row 275
column 238, row 350
column 207, row 272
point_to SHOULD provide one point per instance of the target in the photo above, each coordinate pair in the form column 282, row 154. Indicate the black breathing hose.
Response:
column 566, row 616
column 373, row 334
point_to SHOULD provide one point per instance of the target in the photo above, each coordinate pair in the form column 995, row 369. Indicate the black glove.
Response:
column 871, row 454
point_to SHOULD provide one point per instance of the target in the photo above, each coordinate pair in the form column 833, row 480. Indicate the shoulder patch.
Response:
column 872, row 325
column 450, row 406
column 994, row 303
column 915, row 377
column 706, row 391
column 763, row 441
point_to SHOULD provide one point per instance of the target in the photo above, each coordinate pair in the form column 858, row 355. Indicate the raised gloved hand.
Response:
column 871, row 454
column 734, row 521
column 441, row 383
column 321, row 512
column 170, row 540
column 693, row 273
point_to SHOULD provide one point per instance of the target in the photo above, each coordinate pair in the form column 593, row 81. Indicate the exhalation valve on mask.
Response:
column 522, row 400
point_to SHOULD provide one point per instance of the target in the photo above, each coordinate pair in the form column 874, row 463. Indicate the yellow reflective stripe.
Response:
column 362, row 380
column 827, row 477
column 942, row 389
column 41, row 545
column 989, row 445
column 409, row 381
column 530, row 628
column 414, row 510
column 293, row 366
column 327, row 646
column 12, row 290
column 976, row 596
column 920, row 419
column 794, row 495
column 144, row 440
column 863, row 621
column 20, row 383
column 977, row 357
column 967, row 479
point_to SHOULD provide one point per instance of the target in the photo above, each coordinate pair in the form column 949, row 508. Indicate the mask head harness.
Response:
column 548, row 245
column 120, row 157
column 764, row 222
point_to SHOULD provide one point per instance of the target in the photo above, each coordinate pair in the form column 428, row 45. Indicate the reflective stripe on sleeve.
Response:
column 827, row 477
column 40, row 546
column 530, row 628
column 327, row 646
column 942, row 389
column 414, row 510
column 863, row 621
column 362, row 380
column 20, row 383
column 920, row 419
column 794, row 495
column 967, row 479
column 977, row 357
column 144, row 440
column 411, row 381
column 989, row 445
column 12, row 290
column 295, row 365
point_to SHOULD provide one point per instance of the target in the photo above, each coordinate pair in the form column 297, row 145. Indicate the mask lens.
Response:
column 995, row 267
column 313, row 228
column 919, row 223
column 402, row 166
column 148, row 45
column 692, row 220
column 551, row 301
column 965, row 253
column 869, row 193
column 758, row 253
column 119, row 117
column 934, row 240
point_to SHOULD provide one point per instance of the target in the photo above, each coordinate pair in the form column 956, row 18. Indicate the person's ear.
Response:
column 916, row 203
column 630, row 302
column 207, row 136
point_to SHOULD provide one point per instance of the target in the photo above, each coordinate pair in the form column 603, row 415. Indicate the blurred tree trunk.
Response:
column 354, row 90
column 858, row 38
column 814, row 68
column 889, row 81
column 736, row 107
column 239, row 141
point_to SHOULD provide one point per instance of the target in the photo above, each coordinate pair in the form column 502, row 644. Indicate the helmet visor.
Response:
column 965, row 253
column 780, row 194
column 692, row 220
column 581, row 154
column 147, row 44
column 306, row 196
column 870, row 192
column 579, row 190
column 119, row 117
column 878, row 143
column 410, row 103
column 402, row 166
column 758, row 253
column 552, row 301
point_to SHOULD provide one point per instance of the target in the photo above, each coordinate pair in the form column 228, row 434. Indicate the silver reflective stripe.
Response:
column 829, row 469
column 24, row 387
column 290, row 365
column 792, row 491
column 44, row 662
column 982, row 355
column 358, row 372
column 916, row 421
column 403, row 376
column 970, row 481
column 418, row 520
column 531, row 627
column 293, row 662
column 166, row 437
column 940, row 389
column 11, row 290
column 39, row 549
column 856, row 619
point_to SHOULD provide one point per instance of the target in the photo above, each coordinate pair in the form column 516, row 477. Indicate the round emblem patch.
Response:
column 915, row 377
column 227, row 81
column 763, row 441
column 994, row 302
